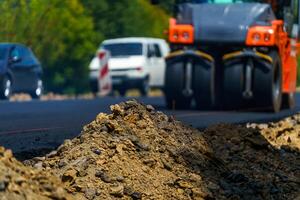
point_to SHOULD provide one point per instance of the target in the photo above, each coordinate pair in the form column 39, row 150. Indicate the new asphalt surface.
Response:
column 46, row 124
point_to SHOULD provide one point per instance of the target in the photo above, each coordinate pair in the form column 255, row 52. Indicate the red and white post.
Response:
column 104, row 80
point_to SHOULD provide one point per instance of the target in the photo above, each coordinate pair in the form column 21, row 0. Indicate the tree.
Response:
column 59, row 32
column 125, row 18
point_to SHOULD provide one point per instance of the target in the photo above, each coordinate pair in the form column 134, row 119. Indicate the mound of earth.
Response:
column 257, row 170
column 138, row 153
column 284, row 135
column 18, row 182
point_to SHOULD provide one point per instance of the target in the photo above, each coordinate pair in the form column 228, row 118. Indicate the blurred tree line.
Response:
column 65, row 34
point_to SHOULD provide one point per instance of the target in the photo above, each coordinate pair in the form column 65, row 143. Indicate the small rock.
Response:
column 120, row 178
column 171, row 119
column 28, row 162
column 258, row 142
column 61, row 148
column 146, row 169
column 166, row 164
column 101, row 117
column 110, row 127
column 150, row 108
column 19, row 180
column 97, row 151
column 8, row 154
column 103, row 176
column 69, row 175
column 51, row 154
column 52, row 163
column 90, row 193
column 142, row 146
column 62, row 163
column 150, row 162
column 104, row 129
column 3, row 186
column 195, row 177
column 198, row 193
column 2, row 149
column 165, row 126
column 180, row 191
column 128, row 190
column 38, row 159
column 162, row 149
column 263, row 126
column 116, row 109
column 184, row 184
column 82, row 173
column 119, row 148
column 98, row 192
column 136, row 195
column 189, row 192
column 78, row 187
column 117, row 191
column 38, row 165
column 58, row 194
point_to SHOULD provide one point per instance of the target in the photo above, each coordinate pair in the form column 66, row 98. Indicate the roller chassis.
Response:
column 225, row 79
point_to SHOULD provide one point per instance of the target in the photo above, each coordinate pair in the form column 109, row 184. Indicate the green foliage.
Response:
column 59, row 32
column 125, row 18
column 167, row 5
column 65, row 34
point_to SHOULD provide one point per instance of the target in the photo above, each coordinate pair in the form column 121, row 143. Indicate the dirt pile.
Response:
column 138, row 153
column 257, row 170
column 285, row 134
column 18, row 182
column 133, row 153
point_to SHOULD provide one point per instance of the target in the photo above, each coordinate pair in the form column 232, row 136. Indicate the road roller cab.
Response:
column 233, row 54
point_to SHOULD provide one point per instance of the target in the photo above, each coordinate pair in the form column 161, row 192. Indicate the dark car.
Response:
column 20, row 71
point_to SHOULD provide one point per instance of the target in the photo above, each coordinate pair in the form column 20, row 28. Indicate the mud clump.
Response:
column 18, row 182
column 139, row 153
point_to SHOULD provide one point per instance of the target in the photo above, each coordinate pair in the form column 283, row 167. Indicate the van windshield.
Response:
column 124, row 49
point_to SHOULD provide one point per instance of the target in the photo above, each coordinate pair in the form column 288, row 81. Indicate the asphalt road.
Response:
column 45, row 124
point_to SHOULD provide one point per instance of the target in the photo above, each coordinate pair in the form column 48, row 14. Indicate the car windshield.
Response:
column 124, row 49
column 2, row 53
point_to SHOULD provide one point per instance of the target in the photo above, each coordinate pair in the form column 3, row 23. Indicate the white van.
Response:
column 136, row 63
